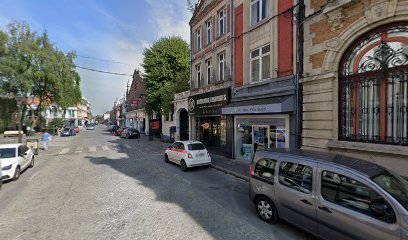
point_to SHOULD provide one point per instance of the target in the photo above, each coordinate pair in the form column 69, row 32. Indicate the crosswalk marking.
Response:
column 64, row 151
column 92, row 149
column 105, row 148
column 79, row 150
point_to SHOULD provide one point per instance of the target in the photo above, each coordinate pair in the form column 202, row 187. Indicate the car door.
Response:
column 179, row 153
column 344, row 211
column 22, row 161
column 171, row 152
column 295, row 193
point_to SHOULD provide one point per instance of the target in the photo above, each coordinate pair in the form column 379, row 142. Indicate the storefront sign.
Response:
column 280, row 105
column 261, row 121
column 209, row 103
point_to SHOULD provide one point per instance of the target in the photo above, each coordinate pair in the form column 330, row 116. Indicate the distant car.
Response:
column 14, row 159
column 67, row 132
column 112, row 128
column 187, row 154
column 90, row 126
column 76, row 129
column 119, row 131
column 130, row 133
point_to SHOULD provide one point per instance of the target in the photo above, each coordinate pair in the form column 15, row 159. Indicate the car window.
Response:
column 196, row 146
column 20, row 150
column 265, row 169
column 181, row 146
column 395, row 186
column 7, row 152
column 296, row 176
column 352, row 194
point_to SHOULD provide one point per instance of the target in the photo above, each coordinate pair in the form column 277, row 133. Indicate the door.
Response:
column 171, row 152
column 261, row 137
column 22, row 156
column 344, row 206
column 295, row 191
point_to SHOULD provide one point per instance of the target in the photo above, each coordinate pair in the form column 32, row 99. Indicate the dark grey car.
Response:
column 330, row 196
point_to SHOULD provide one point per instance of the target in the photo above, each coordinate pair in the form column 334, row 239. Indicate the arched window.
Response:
column 373, row 87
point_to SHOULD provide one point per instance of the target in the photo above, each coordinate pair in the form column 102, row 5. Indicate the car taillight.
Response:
column 190, row 156
column 250, row 171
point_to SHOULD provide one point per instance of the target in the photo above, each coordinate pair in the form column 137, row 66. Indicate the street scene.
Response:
column 204, row 119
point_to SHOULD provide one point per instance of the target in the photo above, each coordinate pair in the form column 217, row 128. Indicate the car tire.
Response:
column 166, row 158
column 32, row 162
column 266, row 210
column 17, row 173
column 183, row 166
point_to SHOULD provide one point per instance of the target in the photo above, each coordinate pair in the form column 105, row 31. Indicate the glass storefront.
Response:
column 267, row 132
column 209, row 131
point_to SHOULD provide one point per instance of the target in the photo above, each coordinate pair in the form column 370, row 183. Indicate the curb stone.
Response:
column 227, row 171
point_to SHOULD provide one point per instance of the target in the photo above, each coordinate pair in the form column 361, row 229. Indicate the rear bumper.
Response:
column 193, row 163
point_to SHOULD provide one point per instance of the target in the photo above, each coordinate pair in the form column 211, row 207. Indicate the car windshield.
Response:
column 395, row 185
column 7, row 152
column 196, row 146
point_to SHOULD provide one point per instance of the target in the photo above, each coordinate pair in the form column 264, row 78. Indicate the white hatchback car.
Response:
column 187, row 154
column 15, row 158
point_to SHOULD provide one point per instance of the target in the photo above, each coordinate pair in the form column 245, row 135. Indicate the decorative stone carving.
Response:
column 377, row 10
column 333, row 44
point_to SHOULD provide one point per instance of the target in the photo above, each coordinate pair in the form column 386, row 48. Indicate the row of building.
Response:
column 319, row 75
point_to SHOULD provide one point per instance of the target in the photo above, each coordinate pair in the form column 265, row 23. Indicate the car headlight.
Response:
column 7, row 167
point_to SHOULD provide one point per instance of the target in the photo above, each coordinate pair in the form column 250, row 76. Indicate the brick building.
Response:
column 135, row 104
column 355, row 79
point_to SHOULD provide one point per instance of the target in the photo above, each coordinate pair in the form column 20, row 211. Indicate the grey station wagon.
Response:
column 330, row 196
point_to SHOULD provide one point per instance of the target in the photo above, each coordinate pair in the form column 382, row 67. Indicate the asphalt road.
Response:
column 97, row 186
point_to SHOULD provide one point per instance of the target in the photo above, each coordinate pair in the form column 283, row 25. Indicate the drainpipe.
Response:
column 232, row 71
column 300, row 16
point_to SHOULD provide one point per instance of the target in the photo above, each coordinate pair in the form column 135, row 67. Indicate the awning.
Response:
column 265, row 105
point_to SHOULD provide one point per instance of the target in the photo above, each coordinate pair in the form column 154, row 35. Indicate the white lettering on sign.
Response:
column 219, row 98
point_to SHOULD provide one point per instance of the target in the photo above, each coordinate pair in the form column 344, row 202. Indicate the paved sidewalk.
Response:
column 237, row 168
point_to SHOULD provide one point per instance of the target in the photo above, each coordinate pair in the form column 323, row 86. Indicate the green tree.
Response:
column 166, row 64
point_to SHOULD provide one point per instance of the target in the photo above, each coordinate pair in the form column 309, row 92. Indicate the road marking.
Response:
column 31, row 178
column 182, row 179
column 105, row 148
column 92, row 149
column 79, row 150
column 64, row 151
column 127, row 146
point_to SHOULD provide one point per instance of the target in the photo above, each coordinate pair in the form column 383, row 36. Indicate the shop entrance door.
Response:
column 260, row 135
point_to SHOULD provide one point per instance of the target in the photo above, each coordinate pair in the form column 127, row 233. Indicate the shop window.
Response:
column 352, row 194
column 373, row 87
column 296, row 176
column 265, row 170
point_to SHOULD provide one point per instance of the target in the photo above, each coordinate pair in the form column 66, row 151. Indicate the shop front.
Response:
column 264, row 123
column 208, row 125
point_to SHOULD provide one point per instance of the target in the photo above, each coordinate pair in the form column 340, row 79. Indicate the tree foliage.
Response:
column 32, row 66
column 167, row 68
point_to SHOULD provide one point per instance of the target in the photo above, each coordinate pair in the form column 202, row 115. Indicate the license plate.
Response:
column 200, row 155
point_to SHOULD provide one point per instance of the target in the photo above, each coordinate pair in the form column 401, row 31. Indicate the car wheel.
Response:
column 32, row 162
column 183, row 166
column 266, row 209
column 166, row 158
column 17, row 173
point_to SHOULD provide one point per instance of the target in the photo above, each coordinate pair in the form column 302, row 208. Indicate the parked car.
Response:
column 90, row 126
column 118, row 132
column 330, row 196
column 14, row 159
column 187, row 154
column 130, row 133
column 67, row 132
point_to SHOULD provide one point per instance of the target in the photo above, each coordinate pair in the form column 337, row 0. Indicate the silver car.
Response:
column 330, row 196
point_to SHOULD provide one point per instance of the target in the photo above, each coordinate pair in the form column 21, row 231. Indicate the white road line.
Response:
column 31, row 178
column 64, row 151
column 105, row 148
column 92, row 149
column 79, row 150
column 127, row 146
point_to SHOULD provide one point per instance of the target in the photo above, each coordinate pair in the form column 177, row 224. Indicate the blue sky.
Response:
column 115, row 30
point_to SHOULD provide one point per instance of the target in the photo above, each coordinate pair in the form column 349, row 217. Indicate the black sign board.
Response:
column 209, row 103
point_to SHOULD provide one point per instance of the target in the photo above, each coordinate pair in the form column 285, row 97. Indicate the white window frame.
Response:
column 221, row 65
column 208, row 64
column 209, row 31
column 259, row 10
column 198, row 39
column 260, row 57
column 222, row 22
column 198, row 73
